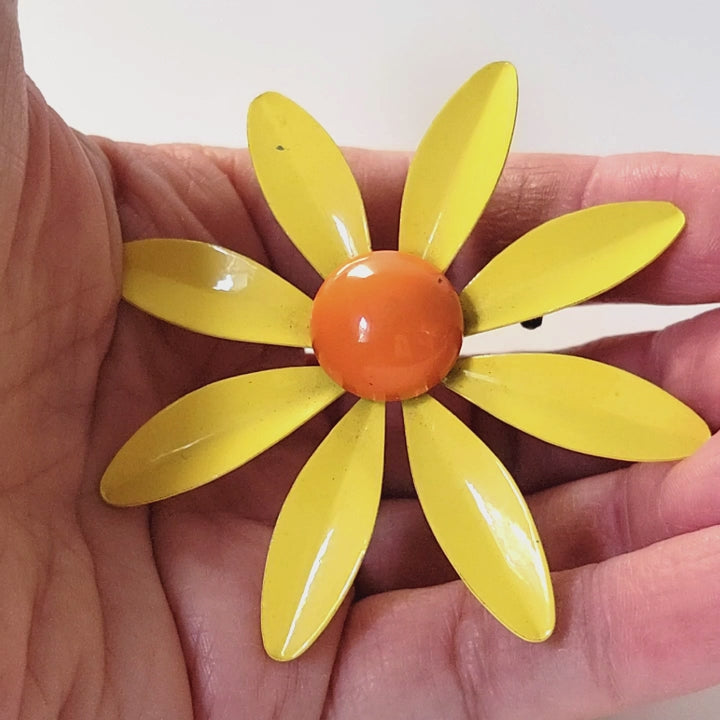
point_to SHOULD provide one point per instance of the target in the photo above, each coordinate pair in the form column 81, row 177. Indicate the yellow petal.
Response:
column 568, row 260
column 581, row 405
column 480, row 519
column 322, row 532
column 307, row 183
column 457, row 165
column 214, row 291
column 214, row 430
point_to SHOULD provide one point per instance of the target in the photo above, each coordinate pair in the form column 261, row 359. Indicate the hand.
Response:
column 154, row 613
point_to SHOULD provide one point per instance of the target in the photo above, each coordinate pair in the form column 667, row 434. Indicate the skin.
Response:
column 154, row 612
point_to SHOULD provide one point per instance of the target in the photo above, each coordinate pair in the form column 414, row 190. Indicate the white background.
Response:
column 596, row 77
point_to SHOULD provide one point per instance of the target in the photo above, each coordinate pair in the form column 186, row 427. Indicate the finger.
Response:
column 532, row 190
column 633, row 629
column 180, row 191
column 582, row 522
column 537, row 188
column 597, row 518
column 225, row 204
column 683, row 358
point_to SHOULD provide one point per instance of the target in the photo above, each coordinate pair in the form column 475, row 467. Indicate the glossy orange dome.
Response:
column 387, row 326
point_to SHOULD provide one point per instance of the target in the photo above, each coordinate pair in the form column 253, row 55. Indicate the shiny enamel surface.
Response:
column 458, row 164
column 480, row 519
column 568, row 260
column 322, row 532
column 581, row 405
column 214, row 291
column 214, row 430
column 387, row 326
column 306, row 182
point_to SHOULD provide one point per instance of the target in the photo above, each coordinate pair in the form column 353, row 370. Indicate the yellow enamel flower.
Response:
column 388, row 326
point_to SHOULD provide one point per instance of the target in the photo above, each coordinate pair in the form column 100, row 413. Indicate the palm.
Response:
column 155, row 613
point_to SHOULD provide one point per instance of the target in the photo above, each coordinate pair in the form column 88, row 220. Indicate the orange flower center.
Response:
column 387, row 326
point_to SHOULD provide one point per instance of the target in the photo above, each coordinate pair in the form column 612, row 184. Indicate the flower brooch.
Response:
column 388, row 326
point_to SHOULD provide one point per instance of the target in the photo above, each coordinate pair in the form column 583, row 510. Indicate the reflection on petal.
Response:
column 312, row 575
column 479, row 518
column 214, row 291
column 350, row 246
column 520, row 554
column 307, row 183
column 457, row 165
column 322, row 532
